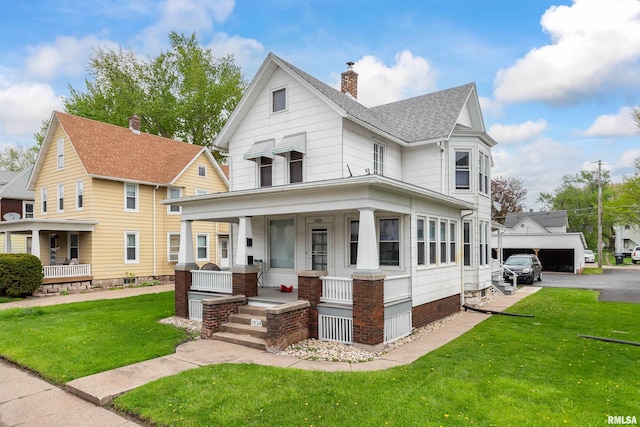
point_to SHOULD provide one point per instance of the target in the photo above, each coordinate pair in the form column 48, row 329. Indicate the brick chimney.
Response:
column 134, row 124
column 349, row 81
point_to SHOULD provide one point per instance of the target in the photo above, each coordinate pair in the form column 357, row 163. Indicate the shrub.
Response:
column 20, row 274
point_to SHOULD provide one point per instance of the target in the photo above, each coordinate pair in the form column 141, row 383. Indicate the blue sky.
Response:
column 557, row 78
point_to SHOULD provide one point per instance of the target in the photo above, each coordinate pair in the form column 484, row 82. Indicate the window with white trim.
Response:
column 43, row 200
column 265, row 171
column 131, row 247
column 201, row 191
column 28, row 210
column 60, row 197
column 389, row 241
column 130, row 197
column 443, row 241
column 278, row 100
column 463, row 170
column 79, row 195
column 483, row 232
column 202, row 247
column 452, row 241
column 295, row 166
column 28, row 244
column 74, row 246
column 378, row 158
column 173, row 246
column 354, row 230
column 202, row 170
column 422, row 245
column 433, row 245
column 483, row 174
column 60, row 152
column 174, row 193
column 466, row 243
column 282, row 243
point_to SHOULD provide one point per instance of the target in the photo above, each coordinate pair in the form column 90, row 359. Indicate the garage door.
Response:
column 552, row 259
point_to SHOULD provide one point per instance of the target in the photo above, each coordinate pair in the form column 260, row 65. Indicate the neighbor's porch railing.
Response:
column 337, row 290
column 211, row 281
column 62, row 271
column 397, row 287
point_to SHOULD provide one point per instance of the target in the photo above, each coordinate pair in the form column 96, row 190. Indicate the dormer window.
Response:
column 278, row 100
column 60, row 150
column 202, row 170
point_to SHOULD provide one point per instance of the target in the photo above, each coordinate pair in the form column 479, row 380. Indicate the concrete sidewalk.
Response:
column 50, row 404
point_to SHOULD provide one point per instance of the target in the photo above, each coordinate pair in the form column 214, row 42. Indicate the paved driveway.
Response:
column 617, row 284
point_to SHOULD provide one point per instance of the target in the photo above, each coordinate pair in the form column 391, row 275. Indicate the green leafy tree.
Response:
column 627, row 201
column 17, row 158
column 507, row 195
column 184, row 93
column 578, row 195
column 636, row 116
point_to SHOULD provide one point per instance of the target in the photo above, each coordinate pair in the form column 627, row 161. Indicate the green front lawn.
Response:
column 68, row 341
column 507, row 371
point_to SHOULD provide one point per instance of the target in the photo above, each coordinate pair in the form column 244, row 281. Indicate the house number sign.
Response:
column 317, row 220
column 256, row 322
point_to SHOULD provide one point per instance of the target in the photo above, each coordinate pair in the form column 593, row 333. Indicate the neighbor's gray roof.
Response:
column 16, row 186
column 544, row 219
column 437, row 112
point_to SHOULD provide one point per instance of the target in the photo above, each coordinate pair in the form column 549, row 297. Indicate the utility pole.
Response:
column 599, row 213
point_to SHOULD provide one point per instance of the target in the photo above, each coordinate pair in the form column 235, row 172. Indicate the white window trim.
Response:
column 79, row 183
column 24, row 208
column 60, row 154
column 268, row 242
column 137, row 197
column 59, row 196
column 69, row 245
column 424, row 242
column 208, row 247
column 484, row 179
column 44, row 202
column 400, row 242
column 470, row 170
column 470, row 244
column 169, row 234
column 288, row 169
column 259, row 170
column 379, row 163
column 169, row 210
column 204, row 167
column 137, row 242
column 201, row 191
column 453, row 239
column 286, row 99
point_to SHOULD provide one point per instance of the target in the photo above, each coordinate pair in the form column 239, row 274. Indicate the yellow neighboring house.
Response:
column 98, row 217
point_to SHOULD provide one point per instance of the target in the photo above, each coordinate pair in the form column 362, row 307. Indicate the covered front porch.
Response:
column 57, row 243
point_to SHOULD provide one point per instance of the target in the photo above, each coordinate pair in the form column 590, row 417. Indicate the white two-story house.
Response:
column 392, row 200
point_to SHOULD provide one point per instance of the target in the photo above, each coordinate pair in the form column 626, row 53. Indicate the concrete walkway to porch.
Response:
column 103, row 387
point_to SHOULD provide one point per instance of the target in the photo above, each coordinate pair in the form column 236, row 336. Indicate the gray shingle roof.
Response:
column 415, row 119
column 544, row 219
column 16, row 187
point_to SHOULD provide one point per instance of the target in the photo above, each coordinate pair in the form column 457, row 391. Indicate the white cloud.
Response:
column 619, row 124
column 23, row 106
column 378, row 84
column 66, row 56
column 595, row 46
column 247, row 53
column 490, row 107
column 509, row 134
column 627, row 159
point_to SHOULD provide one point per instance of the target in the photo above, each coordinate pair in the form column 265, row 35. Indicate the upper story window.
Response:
column 463, row 170
column 278, row 100
column 43, row 200
column 131, row 197
column 295, row 167
column 60, row 150
column 483, row 174
column 27, row 210
column 378, row 158
column 174, row 193
column 265, row 172
column 79, row 195
column 60, row 197
column 389, row 242
column 202, row 170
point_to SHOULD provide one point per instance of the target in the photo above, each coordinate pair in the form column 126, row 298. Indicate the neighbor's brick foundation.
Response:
column 217, row 311
column 182, row 288
column 430, row 312
column 287, row 324
column 310, row 289
column 244, row 281
column 368, row 309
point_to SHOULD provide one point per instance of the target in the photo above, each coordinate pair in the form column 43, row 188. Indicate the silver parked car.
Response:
column 589, row 256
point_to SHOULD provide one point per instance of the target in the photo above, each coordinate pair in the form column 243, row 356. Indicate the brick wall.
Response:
column 368, row 311
column 287, row 324
column 310, row 289
column 430, row 312
column 217, row 311
column 245, row 283
column 182, row 288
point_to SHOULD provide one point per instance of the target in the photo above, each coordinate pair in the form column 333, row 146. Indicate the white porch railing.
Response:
column 397, row 327
column 337, row 290
column 397, row 287
column 61, row 271
column 334, row 328
column 211, row 281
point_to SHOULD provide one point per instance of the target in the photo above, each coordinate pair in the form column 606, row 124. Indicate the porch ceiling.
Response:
column 369, row 191
column 31, row 224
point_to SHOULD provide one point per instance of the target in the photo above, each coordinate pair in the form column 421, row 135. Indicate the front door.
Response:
column 319, row 255
column 223, row 250
column 53, row 248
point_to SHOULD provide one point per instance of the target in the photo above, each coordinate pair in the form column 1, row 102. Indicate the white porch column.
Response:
column 244, row 233
column 368, row 260
column 35, row 243
column 185, row 253
column 7, row 242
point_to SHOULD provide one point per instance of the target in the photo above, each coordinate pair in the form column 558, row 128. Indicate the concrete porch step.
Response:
column 245, row 340
column 242, row 329
column 246, row 319
column 252, row 310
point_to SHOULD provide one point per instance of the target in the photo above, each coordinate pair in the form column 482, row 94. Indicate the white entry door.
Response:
column 223, row 250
